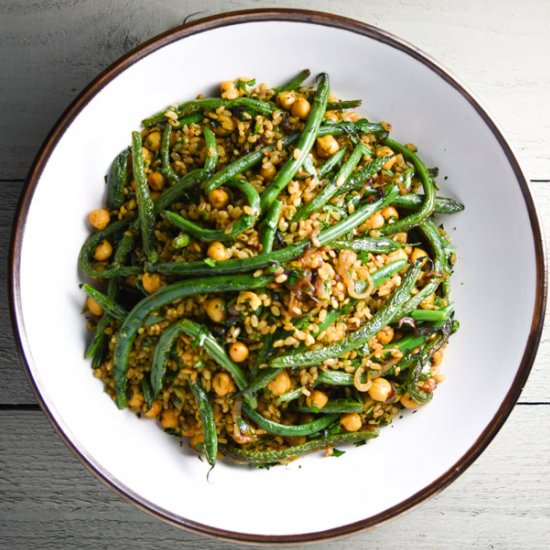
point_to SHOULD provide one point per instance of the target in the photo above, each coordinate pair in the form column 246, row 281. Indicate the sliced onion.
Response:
column 360, row 386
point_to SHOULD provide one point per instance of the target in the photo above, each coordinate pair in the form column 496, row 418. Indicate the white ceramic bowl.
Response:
column 498, row 285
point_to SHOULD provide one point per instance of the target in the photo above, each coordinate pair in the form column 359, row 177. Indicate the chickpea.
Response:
column 103, row 251
column 326, row 146
column 408, row 402
column 93, row 307
column 170, row 419
column 151, row 282
column 152, row 141
column 147, row 155
column 390, row 213
column 380, row 389
column 418, row 253
column 215, row 309
column 99, row 218
column 376, row 221
column 227, row 85
column 286, row 99
column 136, row 400
column 317, row 399
column 223, row 384
column 155, row 409
column 385, row 336
column 218, row 252
column 437, row 357
column 251, row 299
column 156, row 181
column 238, row 352
column 268, row 171
column 351, row 422
column 231, row 94
column 300, row 108
column 218, row 198
column 280, row 384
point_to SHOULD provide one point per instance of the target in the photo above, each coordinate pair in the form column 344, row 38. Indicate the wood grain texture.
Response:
column 48, row 500
column 50, row 50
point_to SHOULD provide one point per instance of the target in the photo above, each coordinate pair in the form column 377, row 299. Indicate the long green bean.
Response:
column 295, row 82
column 269, row 226
column 334, row 406
column 117, row 180
column 211, row 158
column 208, row 422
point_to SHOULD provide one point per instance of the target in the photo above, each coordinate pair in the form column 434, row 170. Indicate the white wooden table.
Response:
column 50, row 49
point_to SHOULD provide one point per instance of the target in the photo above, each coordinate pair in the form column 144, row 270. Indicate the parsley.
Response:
column 210, row 262
column 337, row 453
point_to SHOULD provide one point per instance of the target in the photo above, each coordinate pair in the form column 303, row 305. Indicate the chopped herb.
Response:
column 337, row 452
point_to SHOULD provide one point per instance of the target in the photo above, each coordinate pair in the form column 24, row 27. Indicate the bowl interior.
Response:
column 494, row 288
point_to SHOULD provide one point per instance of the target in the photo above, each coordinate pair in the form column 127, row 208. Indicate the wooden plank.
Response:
column 49, row 500
column 15, row 388
column 50, row 50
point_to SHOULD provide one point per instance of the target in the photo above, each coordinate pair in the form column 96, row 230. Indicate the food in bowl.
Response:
column 275, row 280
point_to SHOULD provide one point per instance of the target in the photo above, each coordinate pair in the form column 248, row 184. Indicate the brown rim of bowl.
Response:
column 300, row 16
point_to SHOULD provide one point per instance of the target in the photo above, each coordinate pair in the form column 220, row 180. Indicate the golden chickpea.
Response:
column 351, row 422
column 136, row 400
column 93, row 307
column 280, row 384
column 390, row 213
column 227, row 85
column 103, row 251
column 170, row 419
column 385, row 336
column 223, row 384
column 147, row 155
column 99, row 218
column 286, row 99
column 408, row 402
column 152, row 141
column 418, row 253
column 376, row 221
column 238, row 352
column 215, row 309
column 326, row 146
column 300, row 108
column 218, row 198
column 156, row 181
column 231, row 94
column 317, row 399
column 250, row 299
column 151, row 282
column 380, row 389
column 268, row 171
column 155, row 409
column 437, row 357
column 218, row 252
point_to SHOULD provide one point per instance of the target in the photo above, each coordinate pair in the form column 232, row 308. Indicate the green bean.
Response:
column 146, row 209
column 443, row 205
column 334, row 378
column 179, row 188
column 303, row 146
column 261, row 380
column 387, row 272
column 229, row 233
column 289, row 430
column 334, row 406
column 251, row 456
column 88, row 248
column 166, row 165
column 164, row 296
column 361, row 176
column 269, row 226
column 109, row 305
column 117, row 180
column 283, row 255
column 290, row 396
column 211, row 147
column 332, row 188
column 345, row 127
column 341, row 105
column 378, row 245
column 432, row 315
column 332, row 162
column 212, row 103
column 193, row 118
column 391, row 311
column 243, row 163
column 208, row 423
column 441, row 265
column 296, row 82
column 427, row 208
